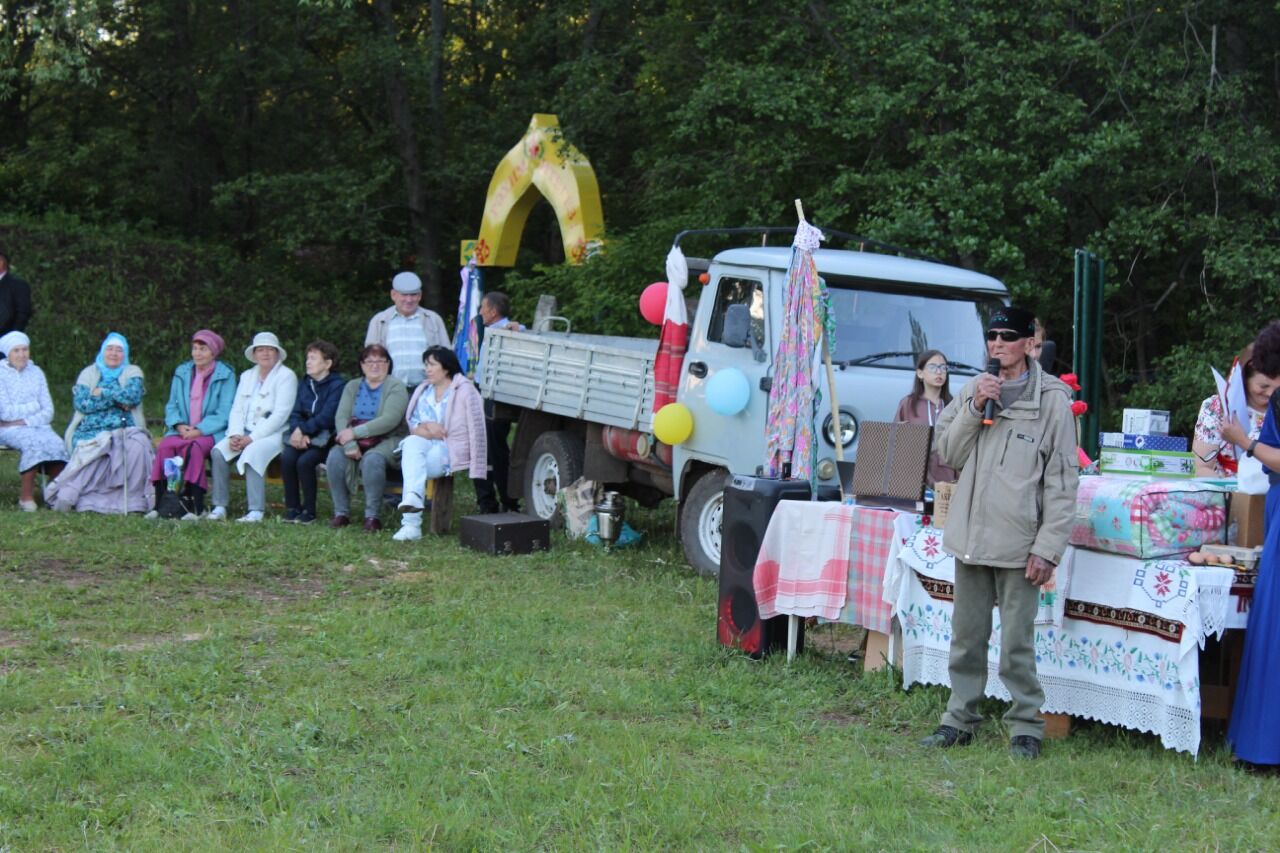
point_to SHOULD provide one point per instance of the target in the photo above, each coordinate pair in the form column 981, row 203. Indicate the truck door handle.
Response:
column 766, row 383
column 698, row 368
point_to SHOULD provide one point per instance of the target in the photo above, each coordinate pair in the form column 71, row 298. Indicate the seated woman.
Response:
column 370, row 421
column 446, row 434
column 929, row 396
column 111, row 451
column 1215, row 456
column 196, row 415
column 258, row 415
column 26, row 410
column 310, row 431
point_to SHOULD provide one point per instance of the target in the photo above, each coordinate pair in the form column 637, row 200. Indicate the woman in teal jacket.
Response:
column 196, row 415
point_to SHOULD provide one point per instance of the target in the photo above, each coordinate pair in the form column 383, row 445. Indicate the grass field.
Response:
column 200, row 686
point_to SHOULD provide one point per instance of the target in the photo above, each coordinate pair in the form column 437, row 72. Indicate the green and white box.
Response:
column 1148, row 463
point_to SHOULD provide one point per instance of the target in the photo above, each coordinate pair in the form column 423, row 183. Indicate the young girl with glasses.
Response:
column 929, row 396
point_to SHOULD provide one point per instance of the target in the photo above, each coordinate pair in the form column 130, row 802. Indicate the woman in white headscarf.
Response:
column 26, row 411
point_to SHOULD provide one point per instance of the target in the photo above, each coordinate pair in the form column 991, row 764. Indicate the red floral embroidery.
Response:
column 1163, row 583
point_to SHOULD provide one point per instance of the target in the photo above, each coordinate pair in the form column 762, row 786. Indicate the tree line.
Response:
column 360, row 136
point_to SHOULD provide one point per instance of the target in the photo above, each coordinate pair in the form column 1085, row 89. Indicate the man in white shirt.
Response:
column 406, row 329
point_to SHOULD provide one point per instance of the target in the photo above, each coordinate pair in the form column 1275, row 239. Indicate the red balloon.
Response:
column 653, row 302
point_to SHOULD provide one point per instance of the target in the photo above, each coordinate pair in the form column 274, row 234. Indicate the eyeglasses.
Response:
column 375, row 361
column 936, row 368
column 1006, row 335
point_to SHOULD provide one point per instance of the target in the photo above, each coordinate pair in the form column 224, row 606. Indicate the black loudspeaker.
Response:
column 748, row 505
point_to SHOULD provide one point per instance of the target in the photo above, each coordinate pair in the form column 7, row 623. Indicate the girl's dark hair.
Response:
column 445, row 358
column 917, row 389
column 376, row 349
column 327, row 351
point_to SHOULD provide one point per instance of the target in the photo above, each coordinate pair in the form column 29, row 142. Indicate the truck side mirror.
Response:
column 737, row 326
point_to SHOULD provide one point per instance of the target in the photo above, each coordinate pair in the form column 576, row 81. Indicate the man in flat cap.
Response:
column 15, row 299
column 1009, row 523
column 406, row 329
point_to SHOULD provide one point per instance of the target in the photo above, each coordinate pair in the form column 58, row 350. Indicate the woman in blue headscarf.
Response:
column 111, row 450
column 107, row 394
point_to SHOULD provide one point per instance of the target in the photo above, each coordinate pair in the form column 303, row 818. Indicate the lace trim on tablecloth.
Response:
column 1178, row 728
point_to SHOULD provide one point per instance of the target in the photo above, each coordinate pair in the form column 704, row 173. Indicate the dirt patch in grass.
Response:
column 840, row 718
column 10, row 640
column 142, row 643
column 70, row 575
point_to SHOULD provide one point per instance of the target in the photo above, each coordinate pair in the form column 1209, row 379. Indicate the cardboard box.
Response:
column 1244, row 525
column 1149, row 463
column 1143, row 442
column 1145, row 422
column 942, row 493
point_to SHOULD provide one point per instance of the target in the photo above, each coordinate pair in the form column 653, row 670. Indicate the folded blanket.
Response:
column 1148, row 518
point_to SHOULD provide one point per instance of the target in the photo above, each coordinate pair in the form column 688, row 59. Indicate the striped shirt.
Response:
column 406, row 343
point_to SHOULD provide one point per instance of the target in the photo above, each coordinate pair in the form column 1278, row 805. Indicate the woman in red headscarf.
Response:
column 196, row 415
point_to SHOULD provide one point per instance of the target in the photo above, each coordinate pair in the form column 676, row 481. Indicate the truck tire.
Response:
column 700, row 520
column 554, row 461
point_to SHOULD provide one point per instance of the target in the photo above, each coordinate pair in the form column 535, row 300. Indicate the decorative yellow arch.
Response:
column 543, row 160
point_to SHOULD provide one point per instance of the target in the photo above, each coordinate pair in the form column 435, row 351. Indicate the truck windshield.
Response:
column 888, row 327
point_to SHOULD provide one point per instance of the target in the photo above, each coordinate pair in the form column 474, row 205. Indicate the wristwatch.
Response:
column 1252, row 445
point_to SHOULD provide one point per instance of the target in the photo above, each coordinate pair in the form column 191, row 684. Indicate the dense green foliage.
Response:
column 1000, row 136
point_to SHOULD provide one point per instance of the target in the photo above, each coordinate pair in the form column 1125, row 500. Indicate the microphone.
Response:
column 989, row 412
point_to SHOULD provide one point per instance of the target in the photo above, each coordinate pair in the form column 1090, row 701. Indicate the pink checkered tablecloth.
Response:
column 827, row 560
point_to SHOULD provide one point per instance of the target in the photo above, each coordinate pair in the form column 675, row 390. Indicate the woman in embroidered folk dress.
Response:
column 1216, row 457
column 1253, row 733
column 929, row 396
column 446, row 434
column 26, row 410
column 110, row 447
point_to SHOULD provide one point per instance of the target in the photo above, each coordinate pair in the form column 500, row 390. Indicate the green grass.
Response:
column 201, row 686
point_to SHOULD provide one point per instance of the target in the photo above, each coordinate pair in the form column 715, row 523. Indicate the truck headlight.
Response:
column 848, row 429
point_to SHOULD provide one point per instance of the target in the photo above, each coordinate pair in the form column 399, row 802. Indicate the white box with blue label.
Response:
column 1176, row 443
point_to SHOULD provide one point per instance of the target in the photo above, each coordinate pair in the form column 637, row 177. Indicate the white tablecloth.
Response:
column 1126, row 651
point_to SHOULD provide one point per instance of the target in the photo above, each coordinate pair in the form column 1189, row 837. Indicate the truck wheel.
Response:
column 700, row 519
column 554, row 461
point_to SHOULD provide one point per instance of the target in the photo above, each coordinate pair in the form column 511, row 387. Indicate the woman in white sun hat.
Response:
column 255, row 432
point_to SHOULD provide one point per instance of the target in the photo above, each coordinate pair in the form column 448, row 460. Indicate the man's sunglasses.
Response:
column 1006, row 335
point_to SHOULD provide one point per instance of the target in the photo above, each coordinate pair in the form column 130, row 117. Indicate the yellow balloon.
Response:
column 673, row 423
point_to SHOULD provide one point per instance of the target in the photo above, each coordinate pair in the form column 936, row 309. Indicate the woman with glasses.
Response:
column 370, row 423
column 929, row 396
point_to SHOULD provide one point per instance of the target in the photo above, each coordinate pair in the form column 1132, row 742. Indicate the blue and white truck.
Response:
column 584, row 403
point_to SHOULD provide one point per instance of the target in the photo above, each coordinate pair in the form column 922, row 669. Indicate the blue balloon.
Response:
column 728, row 392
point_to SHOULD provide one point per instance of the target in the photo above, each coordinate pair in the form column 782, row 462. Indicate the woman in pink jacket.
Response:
column 446, row 434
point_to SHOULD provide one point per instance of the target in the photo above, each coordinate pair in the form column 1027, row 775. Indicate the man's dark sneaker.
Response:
column 291, row 517
column 946, row 736
column 339, row 521
column 305, row 517
column 1025, row 746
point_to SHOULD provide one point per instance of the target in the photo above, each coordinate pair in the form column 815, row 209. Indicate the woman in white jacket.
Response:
column 255, row 431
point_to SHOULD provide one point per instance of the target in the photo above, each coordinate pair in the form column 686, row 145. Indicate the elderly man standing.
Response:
column 15, row 299
column 406, row 329
column 1009, row 523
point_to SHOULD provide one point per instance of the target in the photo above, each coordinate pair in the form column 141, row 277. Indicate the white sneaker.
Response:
column 191, row 516
column 152, row 516
column 27, row 506
column 252, row 517
column 218, row 513
column 408, row 533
